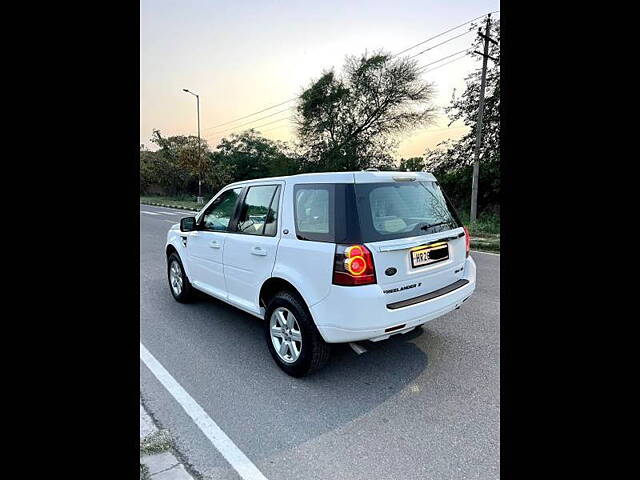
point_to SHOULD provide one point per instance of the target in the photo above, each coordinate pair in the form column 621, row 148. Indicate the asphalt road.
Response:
column 425, row 405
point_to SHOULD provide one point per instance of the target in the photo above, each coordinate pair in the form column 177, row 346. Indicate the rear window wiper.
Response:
column 426, row 227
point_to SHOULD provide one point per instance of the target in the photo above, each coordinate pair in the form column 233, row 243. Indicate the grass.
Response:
column 485, row 231
column 485, row 224
column 144, row 472
column 157, row 442
column 179, row 201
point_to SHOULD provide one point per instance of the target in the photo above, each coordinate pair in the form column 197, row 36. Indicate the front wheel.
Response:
column 292, row 337
column 178, row 282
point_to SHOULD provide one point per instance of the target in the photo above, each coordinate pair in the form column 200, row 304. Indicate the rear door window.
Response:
column 258, row 215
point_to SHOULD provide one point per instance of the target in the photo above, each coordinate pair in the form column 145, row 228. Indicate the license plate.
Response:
column 422, row 256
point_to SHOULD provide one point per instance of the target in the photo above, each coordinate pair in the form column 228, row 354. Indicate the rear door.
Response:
column 417, row 243
column 250, row 248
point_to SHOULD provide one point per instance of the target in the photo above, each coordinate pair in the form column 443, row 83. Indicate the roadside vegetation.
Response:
column 348, row 120
column 179, row 201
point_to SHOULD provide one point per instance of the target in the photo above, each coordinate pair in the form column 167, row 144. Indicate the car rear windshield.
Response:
column 397, row 210
column 370, row 212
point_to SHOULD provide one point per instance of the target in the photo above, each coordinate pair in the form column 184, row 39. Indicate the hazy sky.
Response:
column 243, row 56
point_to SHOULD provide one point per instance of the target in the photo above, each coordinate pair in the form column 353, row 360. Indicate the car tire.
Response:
column 179, row 284
column 297, row 358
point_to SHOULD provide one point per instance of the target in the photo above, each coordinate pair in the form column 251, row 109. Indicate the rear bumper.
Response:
column 350, row 314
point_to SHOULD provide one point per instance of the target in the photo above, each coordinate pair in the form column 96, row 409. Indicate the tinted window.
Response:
column 217, row 215
column 312, row 210
column 258, row 216
column 272, row 217
column 397, row 210
column 326, row 213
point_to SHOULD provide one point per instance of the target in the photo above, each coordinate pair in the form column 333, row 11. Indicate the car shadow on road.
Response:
column 348, row 387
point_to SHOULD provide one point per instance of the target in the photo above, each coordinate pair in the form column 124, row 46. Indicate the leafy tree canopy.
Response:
column 413, row 164
column 249, row 155
column 351, row 121
column 188, row 152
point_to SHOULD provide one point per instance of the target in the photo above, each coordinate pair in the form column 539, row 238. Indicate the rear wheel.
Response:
column 178, row 282
column 292, row 337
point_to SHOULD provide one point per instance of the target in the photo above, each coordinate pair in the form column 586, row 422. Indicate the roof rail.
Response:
column 372, row 169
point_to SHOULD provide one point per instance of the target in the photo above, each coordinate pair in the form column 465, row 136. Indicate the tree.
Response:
column 351, row 122
column 186, row 152
column 413, row 164
column 452, row 161
column 248, row 155
column 157, row 168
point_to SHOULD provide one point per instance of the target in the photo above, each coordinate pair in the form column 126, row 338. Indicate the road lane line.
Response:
column 486, row 253
column 148, row 212
column 168, row 213
column 232, row 454
column 173, row 222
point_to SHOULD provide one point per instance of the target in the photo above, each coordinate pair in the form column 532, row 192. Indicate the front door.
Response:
column 250, row 250
column 205, row 246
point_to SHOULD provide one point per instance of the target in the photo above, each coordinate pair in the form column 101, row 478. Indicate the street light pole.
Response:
column 200, row 197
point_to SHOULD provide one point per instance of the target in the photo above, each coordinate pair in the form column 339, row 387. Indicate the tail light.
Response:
column 353, row 265
column 467, row 240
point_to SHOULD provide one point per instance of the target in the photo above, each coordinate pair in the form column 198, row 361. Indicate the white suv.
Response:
column 326, row 258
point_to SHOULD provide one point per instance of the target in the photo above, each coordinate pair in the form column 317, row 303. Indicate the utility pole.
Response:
column 483, row 81
column 200, row 198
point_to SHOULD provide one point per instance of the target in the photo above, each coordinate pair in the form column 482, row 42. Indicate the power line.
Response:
column 443, row 58
column 465, row 51
column 252, row 121
column 443, row 33
column 252, row 114
column 274, row 128
column 232, row 129
column 445, row 63
column 441, row 43
column 265, row 124
column 395, row 55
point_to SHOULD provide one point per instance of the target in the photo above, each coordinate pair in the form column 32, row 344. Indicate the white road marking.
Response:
column 148, row 212
column 169, row 213
column 171, row 221
column 359, row 349
column 486, row 253
column 238, row 460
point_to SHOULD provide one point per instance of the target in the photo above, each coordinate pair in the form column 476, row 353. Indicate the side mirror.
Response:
column 188, row 224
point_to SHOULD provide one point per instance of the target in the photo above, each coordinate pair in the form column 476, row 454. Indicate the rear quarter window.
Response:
column 326, row 212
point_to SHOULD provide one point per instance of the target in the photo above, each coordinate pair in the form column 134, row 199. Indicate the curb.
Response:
column 157, row 452
column 490, row 247
column 167, row 205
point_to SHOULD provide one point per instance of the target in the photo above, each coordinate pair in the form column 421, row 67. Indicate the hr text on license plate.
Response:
column 431, row 254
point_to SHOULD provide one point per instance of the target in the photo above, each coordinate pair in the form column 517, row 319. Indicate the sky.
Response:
column 243, row 56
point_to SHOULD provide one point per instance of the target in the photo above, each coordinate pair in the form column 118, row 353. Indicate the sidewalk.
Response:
column 157, row 461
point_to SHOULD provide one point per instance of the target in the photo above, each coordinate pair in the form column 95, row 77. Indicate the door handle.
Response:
column 214, row 244
column 259, row 251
